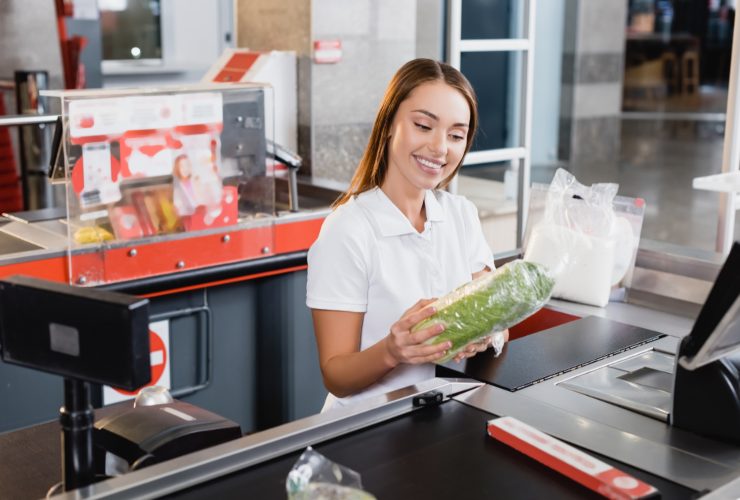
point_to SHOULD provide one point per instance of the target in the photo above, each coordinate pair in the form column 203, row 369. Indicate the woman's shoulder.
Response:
column 347, row 220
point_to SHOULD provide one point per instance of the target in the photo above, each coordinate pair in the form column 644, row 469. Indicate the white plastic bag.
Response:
column 315, row 477
column 576, row 239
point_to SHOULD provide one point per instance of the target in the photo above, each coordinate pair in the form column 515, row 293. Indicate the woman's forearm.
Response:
column 347, row 374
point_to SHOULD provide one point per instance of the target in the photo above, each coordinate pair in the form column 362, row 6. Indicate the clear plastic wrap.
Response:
column 577, row 240
column 492, row 302
column 315, row 477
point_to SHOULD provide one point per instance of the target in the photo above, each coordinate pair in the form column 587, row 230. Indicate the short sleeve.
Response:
column 479, row 253
column 338, row 263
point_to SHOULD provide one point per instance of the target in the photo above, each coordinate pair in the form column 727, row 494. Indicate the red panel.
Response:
column 541, row 320
column 242, row 61
column 54, row 269
column 296, row 236
column 163, row 257
column 230, row 75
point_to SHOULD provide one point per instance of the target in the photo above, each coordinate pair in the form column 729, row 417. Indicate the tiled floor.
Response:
column 658, row 162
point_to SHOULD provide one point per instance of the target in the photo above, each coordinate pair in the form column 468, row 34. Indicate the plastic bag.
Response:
column 581, row 239
column 492, row 302
column 314, row 477
column 629, row 214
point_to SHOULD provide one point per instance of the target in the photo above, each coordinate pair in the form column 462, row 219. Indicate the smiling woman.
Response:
column 396, row 240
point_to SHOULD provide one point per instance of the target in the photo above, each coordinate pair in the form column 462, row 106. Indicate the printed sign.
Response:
column 159, row 353
column 327, row 51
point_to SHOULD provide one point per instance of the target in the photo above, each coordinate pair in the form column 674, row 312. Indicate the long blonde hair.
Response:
column 374, row 163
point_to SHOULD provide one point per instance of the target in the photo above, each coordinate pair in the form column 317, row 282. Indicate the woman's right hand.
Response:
column 406, row 347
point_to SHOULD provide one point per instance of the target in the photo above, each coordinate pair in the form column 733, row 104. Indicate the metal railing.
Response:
column 20, row 120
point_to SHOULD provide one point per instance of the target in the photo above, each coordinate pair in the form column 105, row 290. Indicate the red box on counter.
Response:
column 569, row 461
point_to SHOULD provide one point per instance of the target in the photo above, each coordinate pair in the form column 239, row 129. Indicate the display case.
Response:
column 165, row 180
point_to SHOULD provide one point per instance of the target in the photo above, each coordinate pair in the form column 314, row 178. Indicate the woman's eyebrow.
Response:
column 435, row 117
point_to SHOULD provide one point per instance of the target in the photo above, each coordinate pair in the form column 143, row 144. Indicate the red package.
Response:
column 569, row 461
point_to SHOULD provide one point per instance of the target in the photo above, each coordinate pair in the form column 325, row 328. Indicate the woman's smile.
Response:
column 428, row 165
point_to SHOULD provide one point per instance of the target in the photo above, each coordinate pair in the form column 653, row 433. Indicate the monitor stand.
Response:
column 77, row 419
column 707, row 400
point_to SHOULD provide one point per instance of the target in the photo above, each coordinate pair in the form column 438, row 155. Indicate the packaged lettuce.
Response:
column 492, row 302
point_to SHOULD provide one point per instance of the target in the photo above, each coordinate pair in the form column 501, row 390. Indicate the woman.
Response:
column 183, row 193
column 394, row 237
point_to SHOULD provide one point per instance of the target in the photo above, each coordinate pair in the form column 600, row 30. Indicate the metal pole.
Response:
column 454, row 37
column 20, row 120
column 77, row 418
column 525, row 125
column 731, row 152
column 35, row 140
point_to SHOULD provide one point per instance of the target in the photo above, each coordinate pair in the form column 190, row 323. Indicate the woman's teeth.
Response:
column 428, row 163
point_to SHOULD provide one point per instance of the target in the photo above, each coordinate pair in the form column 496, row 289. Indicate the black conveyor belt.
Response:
column 531, row 359
column 434, row 453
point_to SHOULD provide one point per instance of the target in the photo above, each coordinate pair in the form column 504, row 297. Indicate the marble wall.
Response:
column 338, row 102
column 282, row 25
column 377, row 37
column 592, row 68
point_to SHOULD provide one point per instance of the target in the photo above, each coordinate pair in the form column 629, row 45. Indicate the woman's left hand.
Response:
column 474, row 348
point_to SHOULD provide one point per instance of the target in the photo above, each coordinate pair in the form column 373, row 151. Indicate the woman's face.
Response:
column 428, row 136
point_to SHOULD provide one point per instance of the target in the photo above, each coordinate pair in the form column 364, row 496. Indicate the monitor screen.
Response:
column 131, row 30
column 716, row 331
column 87, row 334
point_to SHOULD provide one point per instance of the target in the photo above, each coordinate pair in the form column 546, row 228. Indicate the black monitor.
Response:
column 85, row 334
column 706, row 390
column 716, row 331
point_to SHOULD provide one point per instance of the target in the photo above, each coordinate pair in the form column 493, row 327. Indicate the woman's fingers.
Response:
column 421, row 336
column 411, row 319
column 473, row 348
column 427, row 353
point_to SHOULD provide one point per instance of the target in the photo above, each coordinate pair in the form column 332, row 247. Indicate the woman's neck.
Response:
column 409, row 200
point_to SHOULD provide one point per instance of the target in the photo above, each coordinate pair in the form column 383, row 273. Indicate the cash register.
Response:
column 95, row 336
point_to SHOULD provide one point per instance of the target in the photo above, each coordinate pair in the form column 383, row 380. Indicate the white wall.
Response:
column 548, row 56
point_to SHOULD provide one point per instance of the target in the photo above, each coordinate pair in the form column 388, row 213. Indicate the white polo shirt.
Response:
column 369, row 258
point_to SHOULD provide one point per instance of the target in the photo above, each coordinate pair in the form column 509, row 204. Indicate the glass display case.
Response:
column 165, row 180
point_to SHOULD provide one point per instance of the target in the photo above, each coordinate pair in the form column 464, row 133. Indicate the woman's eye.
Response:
column 422, row 126
column 457, row 138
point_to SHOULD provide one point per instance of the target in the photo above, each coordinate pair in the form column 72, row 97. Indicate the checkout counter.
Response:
column 215, row 275
column 564, row 380
column 403, row 448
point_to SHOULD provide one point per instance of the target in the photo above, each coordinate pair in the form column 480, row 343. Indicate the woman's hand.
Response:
column 474, row 348
column 403, row 346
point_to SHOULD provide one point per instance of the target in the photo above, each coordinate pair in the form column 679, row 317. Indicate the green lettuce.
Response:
column 492, row 302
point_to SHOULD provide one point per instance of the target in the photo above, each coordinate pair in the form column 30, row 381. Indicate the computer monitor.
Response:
column 85, row 334
column 706, row 385
column 716, row 332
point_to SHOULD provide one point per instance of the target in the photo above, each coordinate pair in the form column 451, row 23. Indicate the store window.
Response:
column 677, row 57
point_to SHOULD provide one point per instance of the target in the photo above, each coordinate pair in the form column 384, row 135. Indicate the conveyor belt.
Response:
column 549, row 353
column 441, row 452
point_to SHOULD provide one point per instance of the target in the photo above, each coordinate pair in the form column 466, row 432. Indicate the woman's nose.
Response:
column 438, row 144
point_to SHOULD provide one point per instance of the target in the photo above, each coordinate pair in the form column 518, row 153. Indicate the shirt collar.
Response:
column 389, row 218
